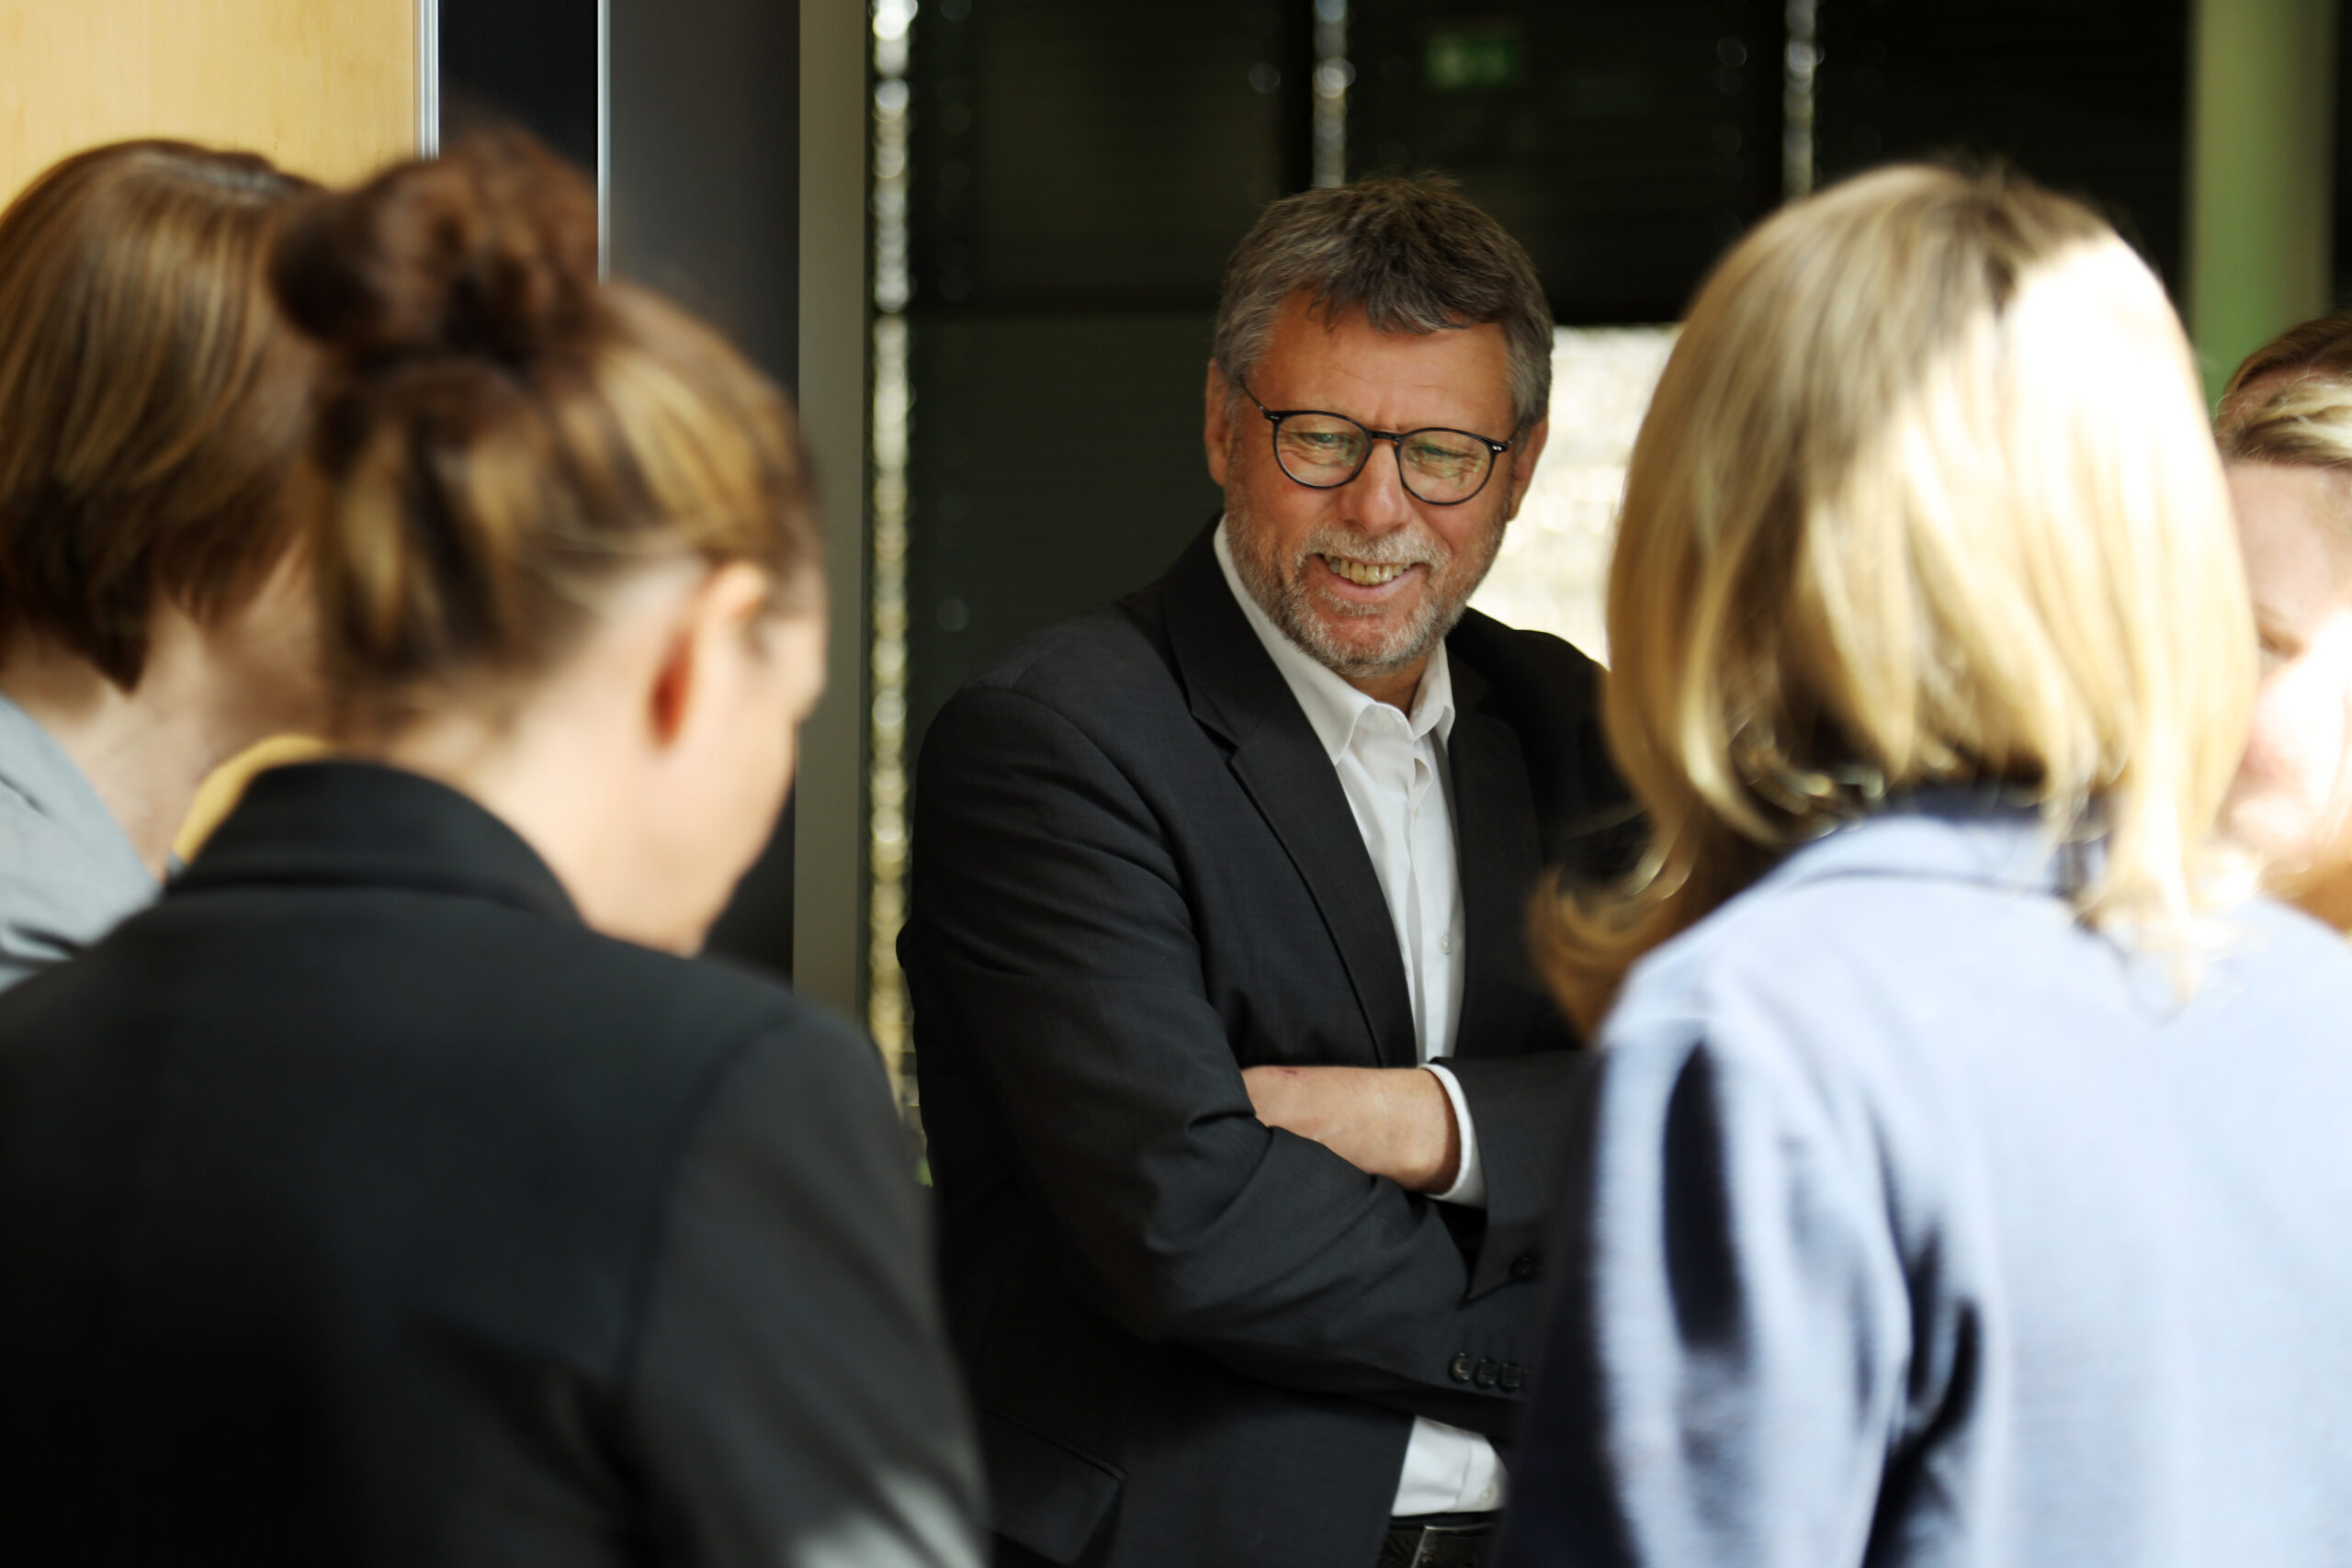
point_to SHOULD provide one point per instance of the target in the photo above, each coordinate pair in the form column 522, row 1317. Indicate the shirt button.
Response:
column 1445, row 942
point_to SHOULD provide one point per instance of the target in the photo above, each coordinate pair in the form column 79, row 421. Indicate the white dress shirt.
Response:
column 1392, row 769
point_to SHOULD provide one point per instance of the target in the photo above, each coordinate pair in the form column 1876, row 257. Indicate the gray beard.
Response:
column 1285, row 599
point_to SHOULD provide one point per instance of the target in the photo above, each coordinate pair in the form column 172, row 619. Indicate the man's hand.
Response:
column 1391, row 1122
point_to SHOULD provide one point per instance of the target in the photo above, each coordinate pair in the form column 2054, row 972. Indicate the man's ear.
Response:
column 711, row 626
column 1216, row 426
column 1522, row 467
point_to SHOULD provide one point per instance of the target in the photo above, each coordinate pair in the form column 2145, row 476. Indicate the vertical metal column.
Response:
column 829, row 862
column 885, row 1004
column 1333, row 77
column 1800, row 60
column 2261, row 172
column 428, row 78
column 604, row 136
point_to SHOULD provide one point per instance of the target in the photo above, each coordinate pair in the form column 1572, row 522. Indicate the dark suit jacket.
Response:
column 359, row 1206
column 1192, row 1338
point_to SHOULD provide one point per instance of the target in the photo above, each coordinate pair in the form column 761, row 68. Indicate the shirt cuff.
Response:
column 1469, row 1187
column 1449, row 1470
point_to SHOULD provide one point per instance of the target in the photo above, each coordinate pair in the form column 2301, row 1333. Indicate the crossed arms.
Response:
column 1196, row 1203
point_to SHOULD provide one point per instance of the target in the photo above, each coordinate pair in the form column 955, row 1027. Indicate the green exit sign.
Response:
column 1468, row 56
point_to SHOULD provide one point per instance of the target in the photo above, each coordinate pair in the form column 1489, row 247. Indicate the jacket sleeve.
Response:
column 1726, row 1371
column 1053, row 939
column 1521, row 1107
column 792, row 1398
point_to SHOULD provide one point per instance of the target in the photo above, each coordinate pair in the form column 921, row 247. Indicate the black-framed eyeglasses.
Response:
column 1323, row 451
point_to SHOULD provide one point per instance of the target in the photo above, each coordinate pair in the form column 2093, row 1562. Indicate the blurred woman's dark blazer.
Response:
column 358, row 1206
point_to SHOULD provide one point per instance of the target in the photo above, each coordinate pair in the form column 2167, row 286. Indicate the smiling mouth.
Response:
column 1365, row 574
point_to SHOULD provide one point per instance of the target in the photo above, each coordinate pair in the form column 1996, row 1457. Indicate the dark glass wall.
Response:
column 1074, row 157
column 705, row 164
column 2341, row 270
column 704, row 203
column 527, row 61
column 1081, row 172
column 705, row 118
column 2089, row 96
column 1625, row 145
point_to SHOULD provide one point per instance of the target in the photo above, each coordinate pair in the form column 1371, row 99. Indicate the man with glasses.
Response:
column 1244, row 1104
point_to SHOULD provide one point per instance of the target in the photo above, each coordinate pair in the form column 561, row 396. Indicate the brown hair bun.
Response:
column 490, row 252
column 499, row 436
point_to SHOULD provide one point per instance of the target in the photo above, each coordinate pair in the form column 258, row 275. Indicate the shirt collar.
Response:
column 1333, row 707
column 1950, row 832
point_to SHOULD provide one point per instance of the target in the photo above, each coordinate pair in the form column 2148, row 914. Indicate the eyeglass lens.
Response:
column 1326, row 450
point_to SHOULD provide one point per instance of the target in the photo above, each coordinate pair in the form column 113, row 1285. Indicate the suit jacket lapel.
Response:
column 1235, row 691
column 1290, row 778
column 1495, row 851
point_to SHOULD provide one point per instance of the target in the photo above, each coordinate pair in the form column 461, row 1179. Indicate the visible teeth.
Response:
column 1364, row 574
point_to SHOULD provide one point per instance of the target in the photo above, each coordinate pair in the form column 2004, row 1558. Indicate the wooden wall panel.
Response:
column 325, row 87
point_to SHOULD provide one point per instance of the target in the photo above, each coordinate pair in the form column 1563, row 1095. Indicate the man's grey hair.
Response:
column 1412, row 254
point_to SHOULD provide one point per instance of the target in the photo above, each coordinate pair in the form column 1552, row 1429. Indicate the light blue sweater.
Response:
column 67, row 873
column 1915, row 1223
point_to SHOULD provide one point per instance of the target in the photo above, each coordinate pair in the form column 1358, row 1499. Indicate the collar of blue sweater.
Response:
column 1953, row 833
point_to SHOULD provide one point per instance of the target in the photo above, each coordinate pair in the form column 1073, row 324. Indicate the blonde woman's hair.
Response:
column 2290, row 402
column 1925, row 497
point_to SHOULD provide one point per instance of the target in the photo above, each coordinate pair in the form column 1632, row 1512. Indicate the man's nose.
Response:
column 1378, row 499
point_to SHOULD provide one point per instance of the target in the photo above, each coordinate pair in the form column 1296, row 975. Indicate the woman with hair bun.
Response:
column 396, row 1190
column 1964, row 1174
column 2285, row 430
column 154, row 615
